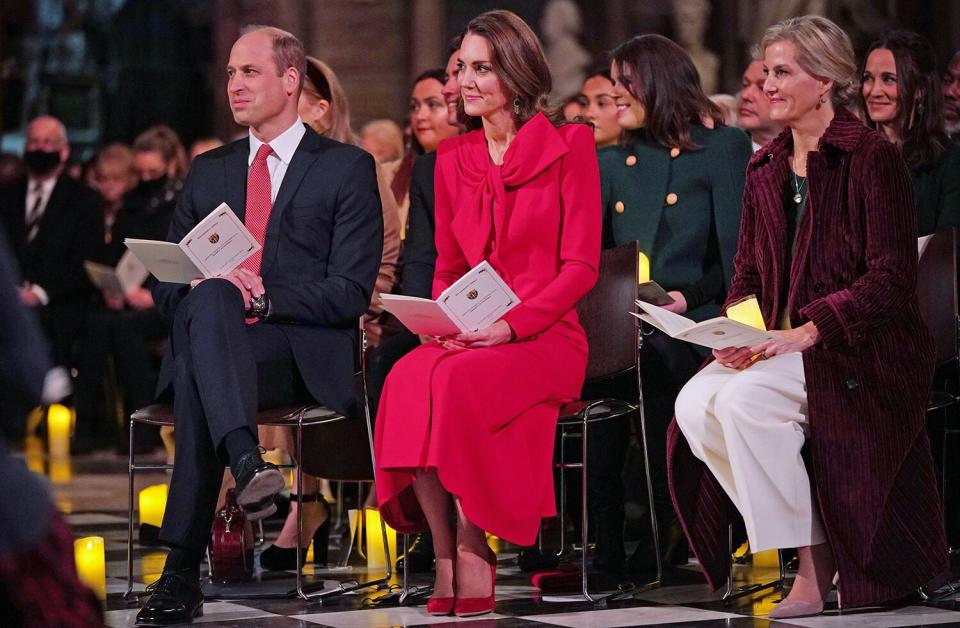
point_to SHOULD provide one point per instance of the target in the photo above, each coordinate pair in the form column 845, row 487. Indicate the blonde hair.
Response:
column 321, row 83
column 824, row 51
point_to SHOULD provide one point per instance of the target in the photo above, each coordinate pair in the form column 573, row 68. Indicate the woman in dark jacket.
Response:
column 674, row 183
column 902, row 97
column 828, row 246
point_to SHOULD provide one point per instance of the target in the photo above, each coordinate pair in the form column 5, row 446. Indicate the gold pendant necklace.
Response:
column 798, row 197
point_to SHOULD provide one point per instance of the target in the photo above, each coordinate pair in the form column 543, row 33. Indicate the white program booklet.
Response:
column 129, row 273
column 716, row 333
column 476, row 300
column 217, row 245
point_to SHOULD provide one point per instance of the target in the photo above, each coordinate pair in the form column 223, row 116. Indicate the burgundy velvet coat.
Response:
column 853, row 275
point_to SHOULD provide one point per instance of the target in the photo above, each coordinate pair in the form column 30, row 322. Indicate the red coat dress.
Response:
column 485, row 418
column 853, row 274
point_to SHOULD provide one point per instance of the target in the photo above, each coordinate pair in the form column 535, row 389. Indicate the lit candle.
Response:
column 375, row 554
column 747, row 311
column 153, row 501
column 60, row 471
column 643, row 268
column 59, row 421
column 90, row 561
column 152, row 566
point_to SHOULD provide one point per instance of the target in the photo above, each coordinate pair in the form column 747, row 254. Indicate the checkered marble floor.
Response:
column 94, row 493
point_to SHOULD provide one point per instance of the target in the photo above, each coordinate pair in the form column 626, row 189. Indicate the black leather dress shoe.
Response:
column 257, row 484
column 175, row 598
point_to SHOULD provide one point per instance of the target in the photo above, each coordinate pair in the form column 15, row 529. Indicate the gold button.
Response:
column 632, row 160
column 619, row 207
column 671, row 199
column 674, row 152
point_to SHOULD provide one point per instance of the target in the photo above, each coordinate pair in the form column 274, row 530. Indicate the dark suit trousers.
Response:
column 225, row 371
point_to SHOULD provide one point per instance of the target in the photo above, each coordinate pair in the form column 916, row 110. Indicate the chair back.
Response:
column 604, row 314
column 342, row 449
column 937, row 291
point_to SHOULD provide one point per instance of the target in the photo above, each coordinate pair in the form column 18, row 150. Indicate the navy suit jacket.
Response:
column 321, row 252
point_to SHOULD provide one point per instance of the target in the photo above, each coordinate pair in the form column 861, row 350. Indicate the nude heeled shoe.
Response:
column 789, row 609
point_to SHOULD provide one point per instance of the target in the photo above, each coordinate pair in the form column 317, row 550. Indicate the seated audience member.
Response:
column 728, row 108
column 674, row 184
column 753, row 114
column 52, row 223
column 835, row 282
column 901, row 95
column 113, row 175
column 951, row 98
column 324, row 107
column 251, row 338
column 444, row 449
column 383, row 139
column 204, row 144
column 598, row 107
column 38, row 578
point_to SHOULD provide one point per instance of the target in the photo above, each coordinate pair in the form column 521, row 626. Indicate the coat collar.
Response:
column 843, row 134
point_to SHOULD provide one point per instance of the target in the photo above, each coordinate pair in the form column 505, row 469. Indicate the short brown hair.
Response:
column 824, row 51
column 288, row 51
column 519, row 63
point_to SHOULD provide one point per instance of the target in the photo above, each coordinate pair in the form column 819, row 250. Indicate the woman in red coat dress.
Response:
column 828, row 245
column 466, row 423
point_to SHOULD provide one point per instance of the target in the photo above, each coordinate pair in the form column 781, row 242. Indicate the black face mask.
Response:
column 41, row 162
column 152, row 188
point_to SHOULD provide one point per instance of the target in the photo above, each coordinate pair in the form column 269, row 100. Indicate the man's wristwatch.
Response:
column 259, row 306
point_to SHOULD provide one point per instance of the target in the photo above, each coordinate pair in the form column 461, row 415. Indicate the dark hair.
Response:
column 602, row 70
column 454, row 44
column 919, row 121
column 661, row 76
column 519, row 63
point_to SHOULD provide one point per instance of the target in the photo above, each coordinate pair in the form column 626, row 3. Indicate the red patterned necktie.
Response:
column 258, row 204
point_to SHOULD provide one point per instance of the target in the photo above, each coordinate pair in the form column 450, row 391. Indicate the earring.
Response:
column 822, row 101
column 516, row 106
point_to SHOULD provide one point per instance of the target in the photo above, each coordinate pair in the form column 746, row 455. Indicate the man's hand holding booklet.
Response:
column 477, row 300
column 715, row 333
column 216, row 246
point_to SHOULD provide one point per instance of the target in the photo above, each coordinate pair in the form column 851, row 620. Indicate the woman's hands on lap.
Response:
column 787, row 341
column 491, row 336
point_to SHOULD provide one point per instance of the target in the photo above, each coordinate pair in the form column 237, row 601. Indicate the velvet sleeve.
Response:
column 890, row 258
column 746, row 275
column 579, row 240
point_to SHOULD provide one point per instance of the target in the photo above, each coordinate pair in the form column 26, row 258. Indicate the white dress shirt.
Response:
column 284, row 145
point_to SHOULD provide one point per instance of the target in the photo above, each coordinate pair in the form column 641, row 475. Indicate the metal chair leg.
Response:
column 563, row 493
column 584, row 515
column 654, row 523
column 131, row 469
column 731, row 593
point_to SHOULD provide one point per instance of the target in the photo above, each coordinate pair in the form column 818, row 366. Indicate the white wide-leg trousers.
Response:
column 748, row 428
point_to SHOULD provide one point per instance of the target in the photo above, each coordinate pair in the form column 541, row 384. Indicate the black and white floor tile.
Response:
column 94, row 496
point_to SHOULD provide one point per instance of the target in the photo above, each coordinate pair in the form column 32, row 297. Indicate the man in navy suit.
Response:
column 279, row 329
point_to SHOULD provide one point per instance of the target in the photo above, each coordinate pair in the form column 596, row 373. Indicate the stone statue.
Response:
column 690, row 20
column 568, row 61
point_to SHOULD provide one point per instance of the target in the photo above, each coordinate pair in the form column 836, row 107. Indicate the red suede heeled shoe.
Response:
column 470, row 606
column 440, row 605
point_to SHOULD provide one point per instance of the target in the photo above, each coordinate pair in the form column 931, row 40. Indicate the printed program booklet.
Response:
column 715, row 333
column 476, row 300
column 217, row 245
column 129, row 273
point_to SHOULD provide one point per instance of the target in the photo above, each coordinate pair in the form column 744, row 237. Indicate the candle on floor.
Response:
column 747, row 311
column 91, row 565
column 153, row 501
column 59, row 422
column 643, row 268
column 375, row 553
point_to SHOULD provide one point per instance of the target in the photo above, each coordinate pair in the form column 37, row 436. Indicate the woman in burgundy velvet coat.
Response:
column 466, row 423
column 828, row 245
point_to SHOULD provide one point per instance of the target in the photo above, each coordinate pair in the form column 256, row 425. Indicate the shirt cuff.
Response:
column 41, row 294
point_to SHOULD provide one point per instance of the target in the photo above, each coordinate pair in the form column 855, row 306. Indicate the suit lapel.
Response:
column 302, row 159
column 235, row 176
column 50, row 219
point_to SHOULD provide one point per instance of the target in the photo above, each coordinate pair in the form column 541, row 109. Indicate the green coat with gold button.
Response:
column 683, row 206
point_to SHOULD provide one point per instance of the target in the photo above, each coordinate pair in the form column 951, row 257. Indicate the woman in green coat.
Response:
column 902, row 96
column 674, row 183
